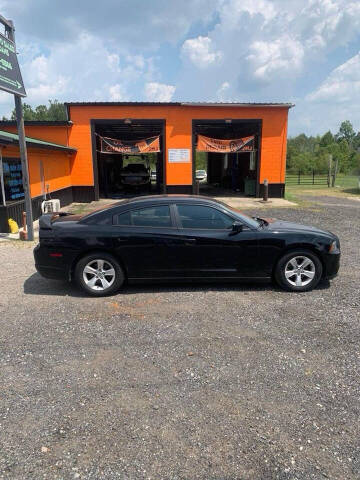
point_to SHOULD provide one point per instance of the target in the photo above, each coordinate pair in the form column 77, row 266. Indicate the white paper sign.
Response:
column 179, row 155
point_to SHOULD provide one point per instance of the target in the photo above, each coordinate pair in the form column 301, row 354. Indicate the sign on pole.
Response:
column 11, row 81
column 10, row 76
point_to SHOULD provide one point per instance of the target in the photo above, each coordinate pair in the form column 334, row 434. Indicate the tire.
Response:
column 307, row 271
column 99, row 274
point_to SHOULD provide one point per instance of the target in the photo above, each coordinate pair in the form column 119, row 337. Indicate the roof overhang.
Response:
column 7, row 138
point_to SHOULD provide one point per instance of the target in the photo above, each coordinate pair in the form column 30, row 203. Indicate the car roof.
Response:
column 151, row 200
column 171, row 198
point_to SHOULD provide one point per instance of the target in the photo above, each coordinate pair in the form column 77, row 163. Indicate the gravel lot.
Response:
column 221, row 382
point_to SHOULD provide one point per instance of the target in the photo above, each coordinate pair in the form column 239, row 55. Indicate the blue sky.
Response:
column 306, row 52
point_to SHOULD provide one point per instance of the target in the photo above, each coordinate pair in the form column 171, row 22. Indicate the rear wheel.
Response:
column 99, row 274
column 298, row 271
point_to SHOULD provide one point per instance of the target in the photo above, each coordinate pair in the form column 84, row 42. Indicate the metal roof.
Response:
column 182, row 104
column 12, row 138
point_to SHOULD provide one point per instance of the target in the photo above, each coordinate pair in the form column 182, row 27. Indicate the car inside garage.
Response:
column 129, row 155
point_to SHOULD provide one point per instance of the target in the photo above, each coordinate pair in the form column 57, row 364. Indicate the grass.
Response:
column 345, row 186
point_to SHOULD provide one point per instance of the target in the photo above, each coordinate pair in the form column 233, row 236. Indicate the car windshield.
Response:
column 253, row 222
column 201, row 172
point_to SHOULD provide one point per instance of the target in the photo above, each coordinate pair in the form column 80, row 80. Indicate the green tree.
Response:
column 356, row 142
column 346, row 131
column 55, row 111
column 326, row 139
column 28, row 112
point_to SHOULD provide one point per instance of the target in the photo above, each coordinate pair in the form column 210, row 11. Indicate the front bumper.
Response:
column 332, row 265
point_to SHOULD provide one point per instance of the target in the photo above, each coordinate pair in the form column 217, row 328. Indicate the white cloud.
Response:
column 199, row 51
column 117, row 93
column 341, row 86
column 270, row 59
column 330, row 23
column 159, row 92
column 238, row 50
column 113, row 61
column 222, row 92
column 87, row 70
column 233, row 11
column 132, row 24
column 5, row 97
column 47, row 91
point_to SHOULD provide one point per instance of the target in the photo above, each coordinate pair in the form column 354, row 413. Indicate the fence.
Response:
column 308, row 179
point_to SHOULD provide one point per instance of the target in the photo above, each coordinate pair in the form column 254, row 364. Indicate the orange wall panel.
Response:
column 63, row 170
column 56, row 168
column 81, row 166
column 178, row 134
column 55, row 134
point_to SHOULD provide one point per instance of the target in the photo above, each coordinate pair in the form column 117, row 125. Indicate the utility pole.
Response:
column 10, row 31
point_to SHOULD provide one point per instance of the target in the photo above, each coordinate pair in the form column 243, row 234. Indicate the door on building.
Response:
column 123, row 161
column 228, row 150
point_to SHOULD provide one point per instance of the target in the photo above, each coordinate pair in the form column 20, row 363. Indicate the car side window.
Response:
column 203, row 217
column 156, row 216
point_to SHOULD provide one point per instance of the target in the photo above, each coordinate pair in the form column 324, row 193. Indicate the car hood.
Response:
column 283, row 226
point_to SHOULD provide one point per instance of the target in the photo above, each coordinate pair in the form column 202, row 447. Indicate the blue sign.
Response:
column 13, row 183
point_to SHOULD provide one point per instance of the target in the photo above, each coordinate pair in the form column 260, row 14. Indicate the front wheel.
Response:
column 298, row 271
column 99, row 274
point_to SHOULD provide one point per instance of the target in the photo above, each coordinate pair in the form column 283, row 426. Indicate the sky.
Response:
column 306, row 52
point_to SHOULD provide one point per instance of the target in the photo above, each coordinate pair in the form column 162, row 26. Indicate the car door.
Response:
column 146, row 239
column 210, row 248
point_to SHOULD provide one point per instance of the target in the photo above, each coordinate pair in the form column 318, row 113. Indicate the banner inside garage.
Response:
column 207, row 144
column 146, row 145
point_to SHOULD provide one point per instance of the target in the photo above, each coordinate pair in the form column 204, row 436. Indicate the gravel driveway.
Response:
column 221, row 382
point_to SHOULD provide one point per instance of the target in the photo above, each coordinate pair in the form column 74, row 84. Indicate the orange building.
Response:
column 238, row 145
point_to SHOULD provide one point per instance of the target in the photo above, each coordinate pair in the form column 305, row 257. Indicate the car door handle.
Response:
column 190, row 241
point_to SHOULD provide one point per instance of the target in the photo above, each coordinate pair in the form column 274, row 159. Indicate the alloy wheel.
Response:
column 99, row 275
column 300, row 271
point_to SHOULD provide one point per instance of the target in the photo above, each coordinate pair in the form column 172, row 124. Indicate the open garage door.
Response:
column 128, row 157
column 226, row 156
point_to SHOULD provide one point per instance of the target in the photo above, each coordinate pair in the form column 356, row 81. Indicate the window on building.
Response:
column 12, row 180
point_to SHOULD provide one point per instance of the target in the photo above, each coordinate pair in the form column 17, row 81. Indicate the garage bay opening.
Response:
column 129, row 157
column 226, row 156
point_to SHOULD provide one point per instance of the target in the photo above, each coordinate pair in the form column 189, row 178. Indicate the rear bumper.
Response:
column 54, row 267
column 332, row 265
column 52, row 272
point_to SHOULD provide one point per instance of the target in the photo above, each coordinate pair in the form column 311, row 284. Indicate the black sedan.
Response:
column 181, row 238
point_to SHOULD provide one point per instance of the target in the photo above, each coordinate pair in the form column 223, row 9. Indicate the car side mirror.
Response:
column 237, row 227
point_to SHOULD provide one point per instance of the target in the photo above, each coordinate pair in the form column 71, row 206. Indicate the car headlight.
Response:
column 334, row 247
